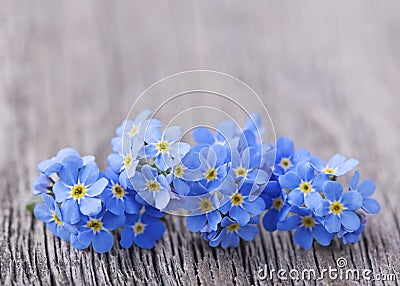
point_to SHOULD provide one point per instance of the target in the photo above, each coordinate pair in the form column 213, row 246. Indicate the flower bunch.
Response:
column 225, row 183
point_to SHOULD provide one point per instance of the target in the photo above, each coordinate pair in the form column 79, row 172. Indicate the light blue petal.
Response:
column 303, row 237
column 350, row 220
column 332, row 223
column 152, row 135
column 86, row 236
column 196, row 223
column 248, row 232
column 296, row 197
column 214, row 218
column 61, row 192
column 285, row 146
column 71, row 212
column 149, row 151
column 305, row 171
column 97, row 188
column 88, row 174
column 323, row 208
column 333, row 191
column 69, row 174
column 352, row 200
column 172, row 134
column 240, row 215
column 322, row 235
column 112, row 221
column 270, row 220
column 162, row 198
column 103, row 242
column 336, row 161
column 90, row 206
column 317, row 163
column 114, row 160
column 347, row 166
column 354, row 180
column 366, row 188
column 312, row 200
column 289, row 181
column 289, row 223
column 42, row 212
column 371, row 206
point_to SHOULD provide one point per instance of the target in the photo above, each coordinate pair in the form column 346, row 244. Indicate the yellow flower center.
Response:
column 277, row 203
column 162, row 146
column 241, row 172
column 211, row 174
column 285, row 163
column 153, row 186
column 178, row 171
column 305, row 187
column 329, row 170
column 57, row 220
column 138, row 227
column 128, row 160
column 95, row 224
column 134, row 131
column 233, row 227
column 205, row 205
column 118, row 191
column 308, row 221
column 237, row 199
column 336, row 207
column 78, row 191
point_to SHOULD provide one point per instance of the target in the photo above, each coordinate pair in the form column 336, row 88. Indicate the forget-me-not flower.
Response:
column 286, row 158
column 78, row 189
column 338, row 208
column 336, row 166
column 366, row 188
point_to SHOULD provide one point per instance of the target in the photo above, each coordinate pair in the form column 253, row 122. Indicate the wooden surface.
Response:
column 69, row 71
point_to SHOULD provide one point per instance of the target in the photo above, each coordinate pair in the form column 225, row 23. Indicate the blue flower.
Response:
column 181, row 186
column 95, row 230
column 133, row 129
column 276, row 203
column 286, row 158
column 118, row 196
column 78, row 189
column 308, row 227
column 54, row 164
column 246, row 166
column 239, row 206
column 338, row 208
column 231, row 232
column 143, row 230
column 351, row 237
column 50, row 213
column 205, row 215
column 128, row 159
column 304, row 186
column 153, row 188
column 212, row 169
column 42, row 185
column 336, row 166
column 366, row 188
column 164, row 147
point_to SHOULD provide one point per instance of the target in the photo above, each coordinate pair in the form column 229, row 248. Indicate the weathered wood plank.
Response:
column 69, row 72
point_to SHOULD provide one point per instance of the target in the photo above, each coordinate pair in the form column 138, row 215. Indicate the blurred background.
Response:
column 83, row 63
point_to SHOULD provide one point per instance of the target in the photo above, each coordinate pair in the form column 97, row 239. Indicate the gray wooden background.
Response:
column 70, row 70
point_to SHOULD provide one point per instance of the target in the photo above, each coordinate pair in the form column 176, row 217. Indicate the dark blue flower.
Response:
column 336, row 166
column 50, row 213
column 286, row 158
column 78, row 189
column 231, row 232
column 118, row 196
column 95, row 230
column 308, row 226
column 338, row 208
column 142, row 229
column 366, row 188
column 276, row 204
column 303, row 185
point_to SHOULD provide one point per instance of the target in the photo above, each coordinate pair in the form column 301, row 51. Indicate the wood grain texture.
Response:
column 69, row 71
